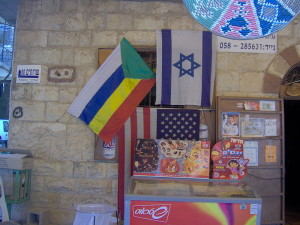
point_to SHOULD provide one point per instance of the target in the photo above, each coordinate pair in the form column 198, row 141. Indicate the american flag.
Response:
column 150, row 123
column 180, row 124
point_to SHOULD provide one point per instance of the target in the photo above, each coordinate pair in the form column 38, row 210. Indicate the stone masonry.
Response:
column 68, row 33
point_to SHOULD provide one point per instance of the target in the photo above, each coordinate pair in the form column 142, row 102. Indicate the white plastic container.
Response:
column 95, row 214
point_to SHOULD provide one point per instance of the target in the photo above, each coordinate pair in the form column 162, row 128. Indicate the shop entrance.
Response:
column 292, row 153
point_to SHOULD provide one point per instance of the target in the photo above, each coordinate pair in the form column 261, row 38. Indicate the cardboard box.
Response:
column 17, row 159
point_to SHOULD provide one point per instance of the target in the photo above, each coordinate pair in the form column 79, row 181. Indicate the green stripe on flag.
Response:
column 133, row 64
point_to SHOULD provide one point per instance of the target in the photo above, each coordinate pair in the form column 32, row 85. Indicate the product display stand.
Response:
column 261, row 126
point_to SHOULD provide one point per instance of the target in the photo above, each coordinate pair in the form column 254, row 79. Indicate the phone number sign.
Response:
column 266, row 44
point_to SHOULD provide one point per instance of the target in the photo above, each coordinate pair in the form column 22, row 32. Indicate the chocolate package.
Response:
column 171, row 158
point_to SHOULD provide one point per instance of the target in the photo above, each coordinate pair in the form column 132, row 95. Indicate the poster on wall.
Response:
column 230, row 124
column 251, row 152
column 228, row 159
column 171, row 158
column 253, row 127
column 28, row 74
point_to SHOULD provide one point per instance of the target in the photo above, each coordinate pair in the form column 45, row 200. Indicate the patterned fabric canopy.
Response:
column 243, row 19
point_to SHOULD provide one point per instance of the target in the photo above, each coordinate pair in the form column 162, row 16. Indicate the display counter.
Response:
column 193, row 202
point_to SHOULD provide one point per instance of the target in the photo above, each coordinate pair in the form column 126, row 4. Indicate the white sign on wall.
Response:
column 266, row 44
column 28, row 73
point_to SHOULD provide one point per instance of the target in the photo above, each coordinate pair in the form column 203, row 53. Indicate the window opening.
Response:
column 7, row 32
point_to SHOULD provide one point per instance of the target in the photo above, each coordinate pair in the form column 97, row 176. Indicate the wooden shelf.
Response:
column 268, row 178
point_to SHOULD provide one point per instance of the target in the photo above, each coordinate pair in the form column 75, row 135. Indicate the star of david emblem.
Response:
column 183, row 66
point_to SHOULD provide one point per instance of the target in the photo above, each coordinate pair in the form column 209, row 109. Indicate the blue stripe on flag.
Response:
column 206, row 67
column 166, row 66
column 101, row 96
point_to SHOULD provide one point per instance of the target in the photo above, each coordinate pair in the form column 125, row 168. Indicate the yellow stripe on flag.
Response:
column 112, row 104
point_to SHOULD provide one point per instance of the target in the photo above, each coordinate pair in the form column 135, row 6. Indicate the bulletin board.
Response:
column 259, row 122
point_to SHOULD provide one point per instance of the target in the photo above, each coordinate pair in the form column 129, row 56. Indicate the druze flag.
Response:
column 185, row 67
column 114, row 91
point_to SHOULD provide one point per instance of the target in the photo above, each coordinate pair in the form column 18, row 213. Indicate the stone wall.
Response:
column 68, row 33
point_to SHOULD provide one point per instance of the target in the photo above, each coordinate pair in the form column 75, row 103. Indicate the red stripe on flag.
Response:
column 121, row 166
column 133, row 136
column 120, row 116
column 146, row 115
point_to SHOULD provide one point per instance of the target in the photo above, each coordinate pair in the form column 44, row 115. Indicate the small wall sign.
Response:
column 28, row 73
column 266, row 44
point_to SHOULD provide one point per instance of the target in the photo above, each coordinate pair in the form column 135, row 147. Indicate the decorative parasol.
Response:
column 243, row 19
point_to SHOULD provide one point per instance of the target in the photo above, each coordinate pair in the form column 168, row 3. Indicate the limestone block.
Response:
column 296, row 30
column 75, row 22
column 85, row 39
column 45, row 56
column 67, row 95
column 135, row 7
column 88, row 152
column 31, row 110
column 57, row 112
column 48, row 22
column 290, row 55
column 62, row 39
column 141, row 37
column 60, row 185
column 105, row 6
column 105, row 38
column 63, row 151
column 69, row 200
column 44, row 167
column 25, row 6
column 21, row 56
column 148, row 22
column 278, row 66
column 41, row 138
column 115, row 188
column 44, row 93
column 25, row 20
column 37, row 183
column 96, row 22
column 287, row 31
column 44, row 199
column 67, row 169
column 31, row 39
column 97, row 170
column 21, row 92
column 84, row 73
column 79, row 134
column 62, row 216
column 93, row 186
column 271, row 84
column 163, row 8
column 80, row 169
column 297, row 48
column 68, row 6
column 255, row 62
column 227, row 81
column 181, row 22
column 119, row 21
column 50, row 6
column 221, row 61
column 112, row 170
column 286, row 42
column 85, row 57
column 67, row 56
column 253, row 78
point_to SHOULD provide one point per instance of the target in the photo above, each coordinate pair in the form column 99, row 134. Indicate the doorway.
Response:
column 292, row 154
